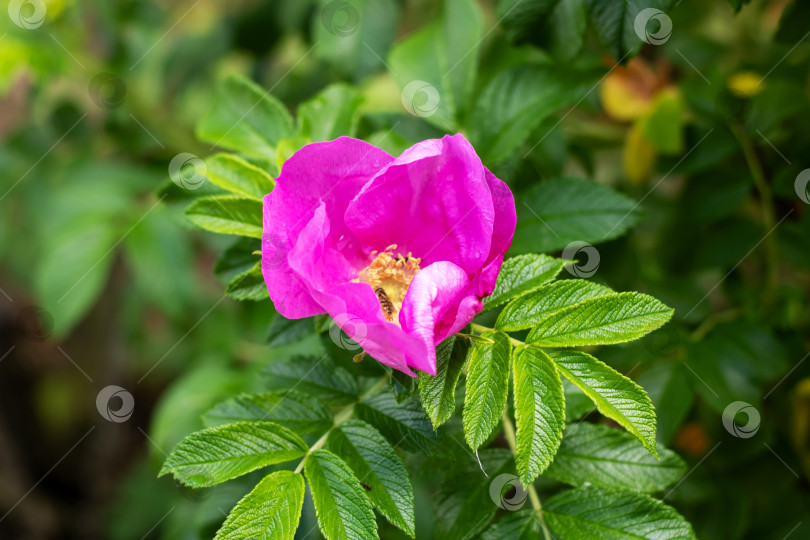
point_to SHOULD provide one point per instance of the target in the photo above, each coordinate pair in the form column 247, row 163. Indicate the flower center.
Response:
column 389, row 276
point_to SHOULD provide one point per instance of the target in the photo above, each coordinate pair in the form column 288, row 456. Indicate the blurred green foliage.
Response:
column 707, row 132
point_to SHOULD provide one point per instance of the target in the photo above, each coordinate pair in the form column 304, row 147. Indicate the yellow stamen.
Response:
column 389, row 276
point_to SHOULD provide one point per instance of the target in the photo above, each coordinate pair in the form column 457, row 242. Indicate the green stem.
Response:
column 340, row 417
column 480, row 328
column 509, row 433
column 766, row 200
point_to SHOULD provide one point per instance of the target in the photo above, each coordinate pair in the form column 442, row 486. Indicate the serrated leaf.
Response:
column 344, row 512
column 559, row 211
column 249, row 285
column 615, row 21
column 592, row 512
column 602, row 320
column 556, row 25
column 377, row 465
column 520, row 525
column 227, row 214
column 464, row 504
column 237, row 258
column 283, row 331
column 271, row 511
column 539, row 412
column 405, row 425
column 299, row 412
column 521, row 275
column 516, row 101
column 611, row 458
column 311, row 375
column 211, row 456
column 487, row 388
column 236, row 175
column 246, row 118
column 403, row 386
column 614, row 395
column 438, row 394
column 330, row 114
column 531, row 309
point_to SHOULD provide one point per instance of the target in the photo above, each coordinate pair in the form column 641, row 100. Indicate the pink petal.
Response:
column 331, row 173
column 439, row 303
column 432, row 201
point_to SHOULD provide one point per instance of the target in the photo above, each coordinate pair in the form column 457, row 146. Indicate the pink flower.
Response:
column 398, row 251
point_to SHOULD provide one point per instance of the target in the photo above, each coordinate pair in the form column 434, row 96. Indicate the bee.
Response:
column 365, row 486
column 385, row 303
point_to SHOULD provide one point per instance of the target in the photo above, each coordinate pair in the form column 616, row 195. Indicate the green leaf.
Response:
column 516, row 101
column 436, row 66
column 211, row 456
column 270, row 512
column 377, row 465
column 330, row 114
column 311, row 375
column 520, row 525
column 405, row 425
column 159, row 256
column 531, row 309
column 667, row 384
column 556, row 25
column 344, row 512
column 296, row 411
column 487, row 387
column 249, row 285
column 663, row 125
column 236, row 175
column 602, row 320
column 465, row 504
column 614, row 395
column 239, row 257
column 245, row 118
column 554, row 213
column 615, row 20
column 354, row 35
column 539, row 412
column 521, row 275
column 283, row 331
column 438, row 394
column 592, row 512
column 611, row 458
column 227, row 214
column 75, row 266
